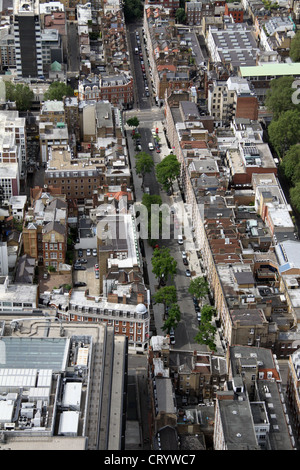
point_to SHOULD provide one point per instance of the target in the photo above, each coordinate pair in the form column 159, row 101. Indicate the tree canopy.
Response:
column 133, row 122
column 133, row 9
column 285, row 131
column 279, row 96
column 158, row 217
column 198, row 287
column 21, row 94
column 291, row 164
column 173, row 319
column 295, row 196
column 149, row 200
column 163, row 264
column 295, row 47
column 57, row 90
column 167, row 295
column 180, row 15
column 206, row 335
column 206, row 331
column 144, row 163
column 167, row 171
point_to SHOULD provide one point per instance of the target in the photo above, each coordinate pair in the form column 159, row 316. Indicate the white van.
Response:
column 136, row 51
column 180, row 240
column 150, row 146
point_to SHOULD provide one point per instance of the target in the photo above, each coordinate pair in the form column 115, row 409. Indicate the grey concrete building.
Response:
column 70, row 386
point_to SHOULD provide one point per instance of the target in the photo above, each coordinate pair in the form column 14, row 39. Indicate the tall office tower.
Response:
column 27, row 34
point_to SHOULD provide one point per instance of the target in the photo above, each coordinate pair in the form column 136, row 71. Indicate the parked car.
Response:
column 80, row 284
column 78, row 267
column 88, row 252
column 80, row 253
column 82, row 260
column 97, row 274
column 150, row 146
column 172, row 336
column 96, row 267
column 199, row 317
column 183, row 254
column 185, row 261
column 94, row 252
column 188, row 273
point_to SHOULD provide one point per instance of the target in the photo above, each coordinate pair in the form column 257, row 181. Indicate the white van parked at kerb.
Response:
column 180, row 240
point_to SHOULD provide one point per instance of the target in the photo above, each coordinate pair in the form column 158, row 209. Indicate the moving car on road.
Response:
column 80, row 284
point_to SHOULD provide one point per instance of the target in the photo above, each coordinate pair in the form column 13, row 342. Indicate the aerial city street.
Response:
column 149, row 251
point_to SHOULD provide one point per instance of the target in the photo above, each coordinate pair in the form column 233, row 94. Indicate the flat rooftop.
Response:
column 271, row 70
column 36, row 353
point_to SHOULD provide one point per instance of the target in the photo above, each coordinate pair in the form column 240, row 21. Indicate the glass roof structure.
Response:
column 38, row 353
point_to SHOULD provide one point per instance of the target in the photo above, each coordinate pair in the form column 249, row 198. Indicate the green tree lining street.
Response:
column 57, row 90
column 167, row 171
column 21, row 94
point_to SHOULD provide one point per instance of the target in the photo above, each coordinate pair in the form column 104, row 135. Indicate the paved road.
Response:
column 73, row 49
column 142, row 101
column 151, row 117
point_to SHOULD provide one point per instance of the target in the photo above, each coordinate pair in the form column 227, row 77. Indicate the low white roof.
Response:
column 6, row 411
column 68, row 423
column 72, row 394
